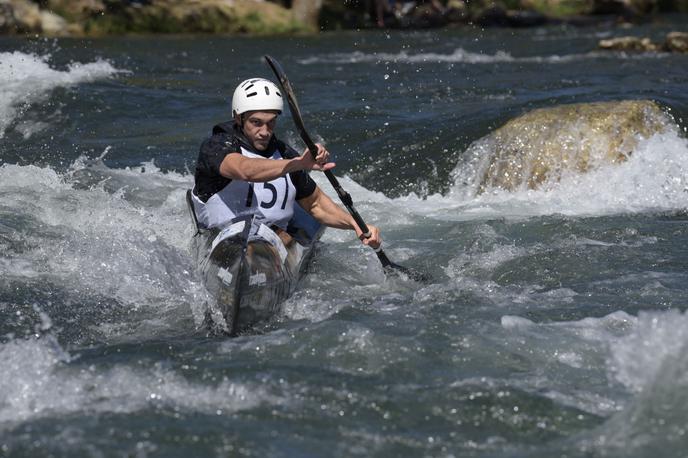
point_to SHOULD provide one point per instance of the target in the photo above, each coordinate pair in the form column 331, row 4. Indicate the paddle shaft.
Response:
column 343, row 195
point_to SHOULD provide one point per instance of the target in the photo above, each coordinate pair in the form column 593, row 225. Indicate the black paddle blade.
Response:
column 396, row 269
column 391, row 268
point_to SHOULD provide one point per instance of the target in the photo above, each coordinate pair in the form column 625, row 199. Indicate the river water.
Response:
column 554, row 323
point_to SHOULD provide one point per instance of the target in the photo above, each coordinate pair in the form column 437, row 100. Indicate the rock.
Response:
column 546, row 144
column 457, row 11
column 195, row 16
column 676, row 42
column 75, row 10
column 52, row 24
column 633, row 44
column 556, row 8
column 99, row 17
column 307, row 12
column 19, row 16
column 23, row 16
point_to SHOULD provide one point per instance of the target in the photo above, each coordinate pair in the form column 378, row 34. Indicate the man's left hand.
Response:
column 373, row 240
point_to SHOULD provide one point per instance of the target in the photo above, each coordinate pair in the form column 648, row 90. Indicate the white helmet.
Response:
column 256, row 94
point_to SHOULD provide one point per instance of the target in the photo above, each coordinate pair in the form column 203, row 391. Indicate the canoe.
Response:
column 249, row 269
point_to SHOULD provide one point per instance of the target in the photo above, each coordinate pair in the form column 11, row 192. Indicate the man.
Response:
column 244, row 169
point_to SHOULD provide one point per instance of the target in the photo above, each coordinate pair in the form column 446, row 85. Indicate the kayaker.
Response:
column 244, row 169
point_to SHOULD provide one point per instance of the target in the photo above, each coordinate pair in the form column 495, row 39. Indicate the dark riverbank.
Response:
column 252, row 17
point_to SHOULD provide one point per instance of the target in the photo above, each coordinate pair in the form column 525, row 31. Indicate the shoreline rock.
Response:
column 22, row 16
column 494, row 13
column 113, row 17
column 674, row 42
column 273, row 17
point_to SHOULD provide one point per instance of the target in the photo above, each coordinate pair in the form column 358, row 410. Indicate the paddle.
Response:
column 388, row 266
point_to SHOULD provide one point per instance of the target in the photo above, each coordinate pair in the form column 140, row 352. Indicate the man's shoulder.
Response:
column 221, row 139
column 223, row 128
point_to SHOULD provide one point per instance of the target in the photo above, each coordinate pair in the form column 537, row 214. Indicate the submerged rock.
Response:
column 674, row 42
column 546, row 144
column 635, row 44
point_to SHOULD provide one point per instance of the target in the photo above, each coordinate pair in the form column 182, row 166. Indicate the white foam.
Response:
column 603, row 329
column 640, row 351
column 657, row 341
column 37, row 383
column 566, row 354
column 655, row 178
column 127, row 230
column 91, row 241
column 516, row 322
column 650, row 360
column 485, row 261
column 460, row 55
column 26, row 79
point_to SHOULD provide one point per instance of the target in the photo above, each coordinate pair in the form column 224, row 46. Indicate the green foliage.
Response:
column 254, row 24
column 211, row 21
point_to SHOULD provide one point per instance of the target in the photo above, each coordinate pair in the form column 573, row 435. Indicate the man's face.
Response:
column 258, row 128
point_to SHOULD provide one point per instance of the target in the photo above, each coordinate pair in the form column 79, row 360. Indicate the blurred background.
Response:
column 96, row 17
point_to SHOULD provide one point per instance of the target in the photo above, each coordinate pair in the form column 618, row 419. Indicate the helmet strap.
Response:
column 239, row 119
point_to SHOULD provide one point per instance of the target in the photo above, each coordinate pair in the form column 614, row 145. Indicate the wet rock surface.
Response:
column 99, row 17
column 674, row 42
column 542, row 145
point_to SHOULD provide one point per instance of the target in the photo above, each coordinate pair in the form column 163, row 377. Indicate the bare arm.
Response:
column 325, row 211
column 239, row 167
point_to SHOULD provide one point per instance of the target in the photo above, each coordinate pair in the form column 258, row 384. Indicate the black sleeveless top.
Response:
column 227, row 138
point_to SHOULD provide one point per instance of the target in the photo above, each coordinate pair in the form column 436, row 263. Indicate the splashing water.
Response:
column 27, row 79
column 459, row 55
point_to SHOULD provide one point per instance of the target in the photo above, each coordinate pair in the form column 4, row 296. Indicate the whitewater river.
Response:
column 554, row 323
